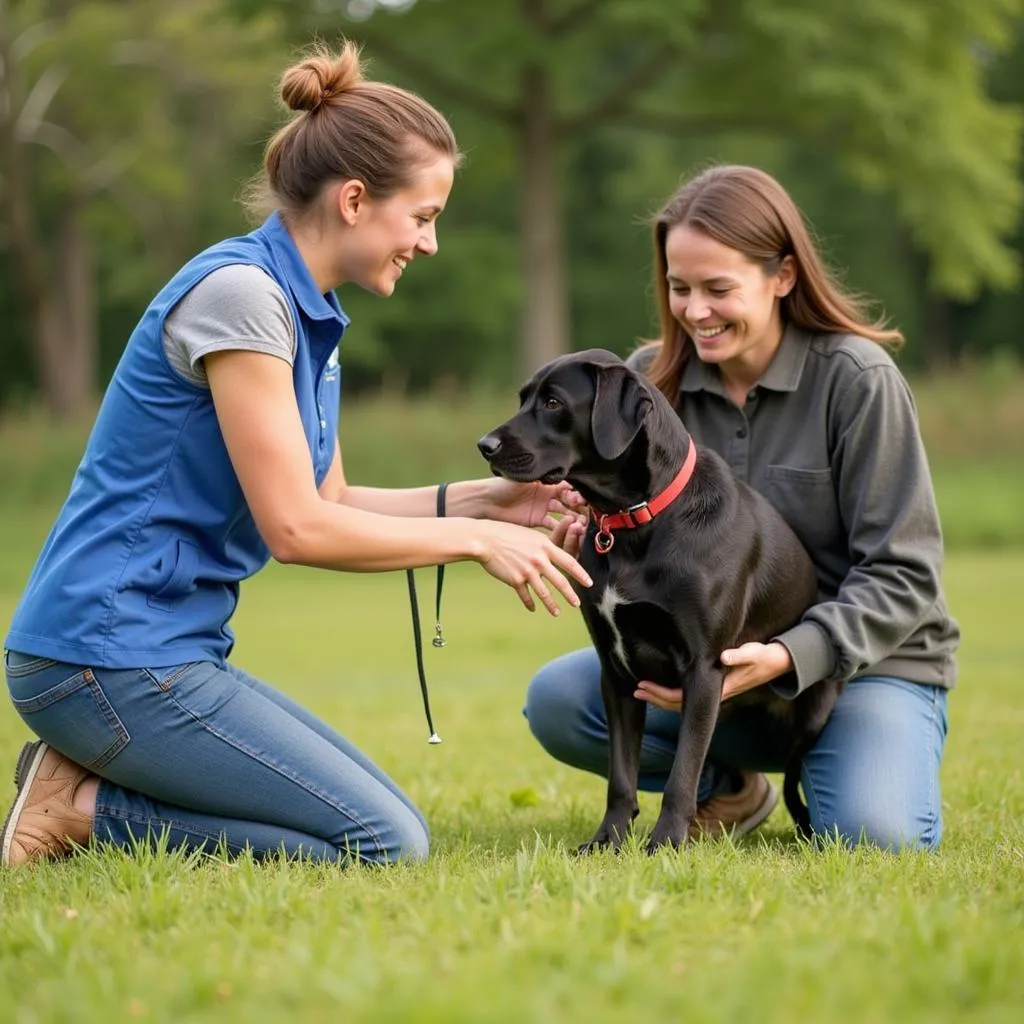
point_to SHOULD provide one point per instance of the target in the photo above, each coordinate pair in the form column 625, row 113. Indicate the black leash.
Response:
column 438, row 640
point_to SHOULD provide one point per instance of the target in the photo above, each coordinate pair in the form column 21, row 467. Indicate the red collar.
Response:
column 638, row 515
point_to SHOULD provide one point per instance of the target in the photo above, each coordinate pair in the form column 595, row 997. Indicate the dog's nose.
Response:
column 489, row 446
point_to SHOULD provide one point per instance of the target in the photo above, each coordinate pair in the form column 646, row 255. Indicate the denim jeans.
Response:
column 873, row 774
column 210, row 755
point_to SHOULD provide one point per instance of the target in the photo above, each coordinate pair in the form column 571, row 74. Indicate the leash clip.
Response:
column 603, row 540
column 439, row 640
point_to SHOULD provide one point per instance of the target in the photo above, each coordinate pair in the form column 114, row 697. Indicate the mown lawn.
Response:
column 503, row 923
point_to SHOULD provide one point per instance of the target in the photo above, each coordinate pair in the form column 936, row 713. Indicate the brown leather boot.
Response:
column 43, row 823
column 736, row 813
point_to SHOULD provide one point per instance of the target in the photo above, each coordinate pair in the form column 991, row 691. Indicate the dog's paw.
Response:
column 607, row 837
column 593, row 846
column 665, row 839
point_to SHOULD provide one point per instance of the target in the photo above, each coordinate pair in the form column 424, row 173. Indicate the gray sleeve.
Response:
column 235, row 307
column 885, row 496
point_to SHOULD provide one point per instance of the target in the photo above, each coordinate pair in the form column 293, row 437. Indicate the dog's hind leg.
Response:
column 702, row 697
column 798, row 810
column 816, row 705
column 625, row 733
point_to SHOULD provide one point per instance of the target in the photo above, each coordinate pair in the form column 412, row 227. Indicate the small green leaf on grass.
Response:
column 524, row 797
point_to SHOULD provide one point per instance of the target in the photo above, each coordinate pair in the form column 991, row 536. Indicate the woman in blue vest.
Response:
column 214, row 450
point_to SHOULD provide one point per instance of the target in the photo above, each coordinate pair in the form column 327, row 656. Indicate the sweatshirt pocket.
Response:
column 175, row 575
column 806, row 499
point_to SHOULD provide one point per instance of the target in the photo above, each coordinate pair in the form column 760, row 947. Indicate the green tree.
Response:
column 111, row 117
column 893, row 94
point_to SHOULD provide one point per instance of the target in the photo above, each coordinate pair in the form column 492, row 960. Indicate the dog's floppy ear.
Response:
column 621, row 404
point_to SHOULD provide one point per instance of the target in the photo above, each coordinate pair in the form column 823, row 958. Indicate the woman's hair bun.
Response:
column 320, row 76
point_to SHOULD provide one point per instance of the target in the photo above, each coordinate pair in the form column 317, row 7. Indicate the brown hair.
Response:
column 748, row 210
column 344, row 127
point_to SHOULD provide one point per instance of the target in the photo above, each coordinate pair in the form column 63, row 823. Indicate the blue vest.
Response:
column 143, row 565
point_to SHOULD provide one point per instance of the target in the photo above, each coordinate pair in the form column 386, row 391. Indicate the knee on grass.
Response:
column 885, row 830
column 402, row 842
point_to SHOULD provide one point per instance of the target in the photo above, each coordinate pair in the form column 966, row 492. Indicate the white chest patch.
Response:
column 610, row 600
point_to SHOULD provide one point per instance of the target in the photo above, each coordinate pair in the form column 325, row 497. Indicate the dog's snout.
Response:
column 489, row 446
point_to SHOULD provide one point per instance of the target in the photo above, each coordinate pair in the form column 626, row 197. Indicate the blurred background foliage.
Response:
column 128, row 129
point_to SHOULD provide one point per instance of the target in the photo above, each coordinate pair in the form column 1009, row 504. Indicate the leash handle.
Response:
column 438, row 640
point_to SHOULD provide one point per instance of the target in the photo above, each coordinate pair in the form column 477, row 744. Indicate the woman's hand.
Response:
column 751, row 665
column 532, row 564
column 747, row 666
column 568, row 532
column 532, row 504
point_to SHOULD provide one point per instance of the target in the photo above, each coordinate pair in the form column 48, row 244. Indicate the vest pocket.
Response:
column 179, row 572
column 73, row 715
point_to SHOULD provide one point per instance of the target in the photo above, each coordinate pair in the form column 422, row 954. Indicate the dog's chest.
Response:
column 610, row 600
column 625, row 628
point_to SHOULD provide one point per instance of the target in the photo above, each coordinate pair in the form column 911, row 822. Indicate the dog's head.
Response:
column 577, row 413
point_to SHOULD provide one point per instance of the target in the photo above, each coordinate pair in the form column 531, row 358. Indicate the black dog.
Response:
column 686, row 559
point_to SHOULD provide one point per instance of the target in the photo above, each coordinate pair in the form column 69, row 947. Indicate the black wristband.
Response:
column 441, row 489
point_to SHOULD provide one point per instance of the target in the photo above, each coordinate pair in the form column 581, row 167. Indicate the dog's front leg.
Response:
column 625, row 732
column 703, row 696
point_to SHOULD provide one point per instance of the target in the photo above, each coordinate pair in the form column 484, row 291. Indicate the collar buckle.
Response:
column 640, row 513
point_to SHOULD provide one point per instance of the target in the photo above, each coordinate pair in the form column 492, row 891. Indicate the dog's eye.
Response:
column 552, row 403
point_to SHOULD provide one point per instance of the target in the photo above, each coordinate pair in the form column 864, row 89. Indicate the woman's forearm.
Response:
column 344, row 537
column 467, row 498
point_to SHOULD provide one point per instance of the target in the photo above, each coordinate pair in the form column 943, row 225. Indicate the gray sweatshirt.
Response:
column 829, row 435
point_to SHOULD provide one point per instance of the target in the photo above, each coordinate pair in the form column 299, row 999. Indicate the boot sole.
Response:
column 25, row 772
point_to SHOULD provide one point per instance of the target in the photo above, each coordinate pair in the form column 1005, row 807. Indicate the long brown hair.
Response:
column 748, row 210
column 344, row 127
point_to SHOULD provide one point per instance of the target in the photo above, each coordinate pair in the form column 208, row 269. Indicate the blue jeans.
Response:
column 208, row 755
column 873, row 774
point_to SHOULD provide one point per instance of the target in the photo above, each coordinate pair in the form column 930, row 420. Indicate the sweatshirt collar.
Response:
column 314, row 303
column 783, row 373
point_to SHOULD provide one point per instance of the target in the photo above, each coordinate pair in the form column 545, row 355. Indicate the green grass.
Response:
column 503, row 923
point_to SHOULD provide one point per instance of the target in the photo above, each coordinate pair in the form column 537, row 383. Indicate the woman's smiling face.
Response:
column 727, row 303
column 389, row 233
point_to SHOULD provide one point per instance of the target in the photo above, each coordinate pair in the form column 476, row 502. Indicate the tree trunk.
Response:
column 546, row 330
column 74, row 373
column 62, row 313
column 937, row 350
column 57, row 287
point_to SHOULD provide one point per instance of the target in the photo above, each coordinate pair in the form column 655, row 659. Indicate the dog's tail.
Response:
column 795, row 804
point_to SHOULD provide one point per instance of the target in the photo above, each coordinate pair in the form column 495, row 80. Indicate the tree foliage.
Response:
column 127, row 129
column 113, row 117
column 892, row 96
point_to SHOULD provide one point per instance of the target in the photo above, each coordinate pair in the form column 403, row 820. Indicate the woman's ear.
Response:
column 785, row 279
column 350, row 200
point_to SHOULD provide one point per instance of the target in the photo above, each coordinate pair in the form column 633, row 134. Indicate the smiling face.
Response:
column 727, row 303
column 382, row 236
